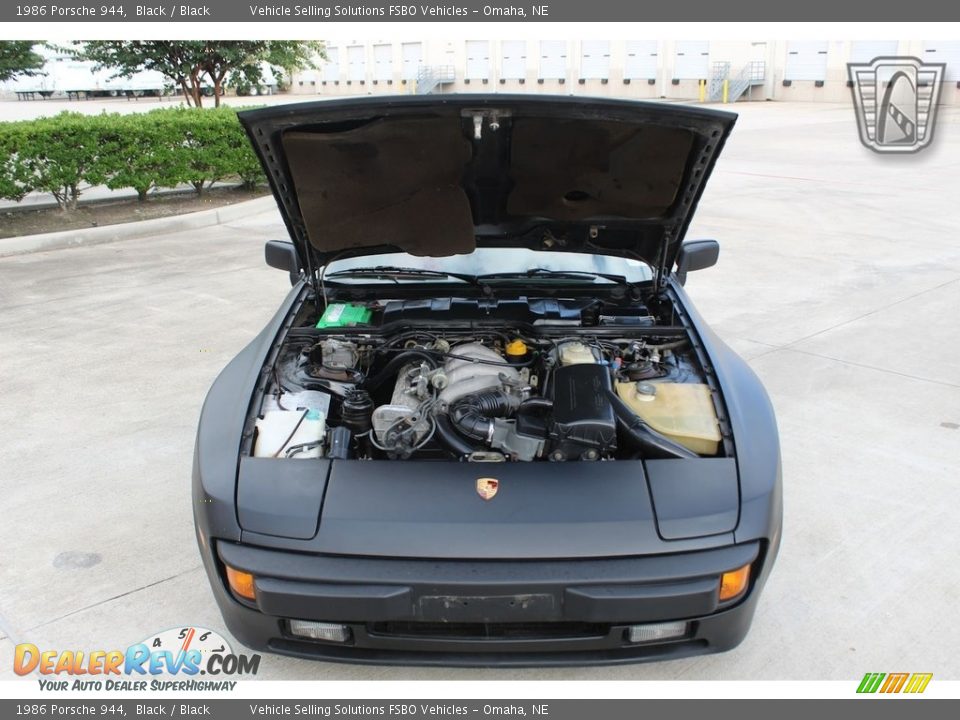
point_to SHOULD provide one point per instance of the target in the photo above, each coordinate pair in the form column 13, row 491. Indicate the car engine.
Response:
column 590, row 384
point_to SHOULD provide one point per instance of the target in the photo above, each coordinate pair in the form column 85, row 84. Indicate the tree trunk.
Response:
column 187, row 93
column 217, row 82
column 73, row 197
column 197, row 90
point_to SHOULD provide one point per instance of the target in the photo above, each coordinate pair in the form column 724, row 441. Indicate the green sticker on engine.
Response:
column 344, row 315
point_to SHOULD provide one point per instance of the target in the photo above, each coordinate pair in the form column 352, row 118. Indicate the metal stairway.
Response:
column 431, row 77
column 750, row 75
column 719, row 73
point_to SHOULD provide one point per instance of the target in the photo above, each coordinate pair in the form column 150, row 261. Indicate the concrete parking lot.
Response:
column 839, row 280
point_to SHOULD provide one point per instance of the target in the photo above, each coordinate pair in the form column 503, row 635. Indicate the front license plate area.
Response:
column 487, row 608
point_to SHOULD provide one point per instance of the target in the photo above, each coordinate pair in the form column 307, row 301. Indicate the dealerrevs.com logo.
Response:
column 911, row 683
column 170, row 660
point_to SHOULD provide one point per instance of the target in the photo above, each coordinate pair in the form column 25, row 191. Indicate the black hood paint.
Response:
column 440, row 175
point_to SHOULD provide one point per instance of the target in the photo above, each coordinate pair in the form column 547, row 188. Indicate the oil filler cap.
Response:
column 516, row 350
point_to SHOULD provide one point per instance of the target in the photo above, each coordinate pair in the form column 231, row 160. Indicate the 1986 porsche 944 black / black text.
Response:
column 487, row 425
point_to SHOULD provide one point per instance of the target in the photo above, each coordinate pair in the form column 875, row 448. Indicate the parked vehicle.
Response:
column 487, row 426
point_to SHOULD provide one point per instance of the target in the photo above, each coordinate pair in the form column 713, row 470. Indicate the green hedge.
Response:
column 69, row 152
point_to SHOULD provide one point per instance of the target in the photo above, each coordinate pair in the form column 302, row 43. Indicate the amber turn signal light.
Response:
column 241, row 583
column 733, row 583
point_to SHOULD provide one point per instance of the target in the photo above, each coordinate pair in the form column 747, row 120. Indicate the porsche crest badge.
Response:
column 487, row 487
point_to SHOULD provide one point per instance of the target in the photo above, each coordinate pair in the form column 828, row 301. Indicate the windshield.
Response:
column 486, row 261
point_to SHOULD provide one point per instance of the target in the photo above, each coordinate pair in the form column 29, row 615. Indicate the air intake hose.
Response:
column 472, row 415
column 449, row 438
column 651, row 443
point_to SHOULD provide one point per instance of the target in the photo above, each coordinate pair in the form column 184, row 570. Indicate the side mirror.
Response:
column 282, row 255
column 696, row 255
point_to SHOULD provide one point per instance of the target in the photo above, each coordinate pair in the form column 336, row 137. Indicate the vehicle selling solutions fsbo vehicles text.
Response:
column 407, row 11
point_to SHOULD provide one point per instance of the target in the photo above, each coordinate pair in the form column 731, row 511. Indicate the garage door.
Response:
column 382, row 62
column 553, row 59
column 692, row 60
column 478, row 60
column 641, row 60
column 307, row 78
column 944, row 52
column 331, row 68
column 356, row 63
column 806, row 60
column 595, row 59
column 412, row 54
column 513, row 59
column 863, row 51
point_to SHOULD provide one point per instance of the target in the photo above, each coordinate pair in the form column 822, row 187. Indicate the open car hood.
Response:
column 441, row 175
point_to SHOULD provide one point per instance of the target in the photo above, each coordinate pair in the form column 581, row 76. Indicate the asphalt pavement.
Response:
column 839, row 281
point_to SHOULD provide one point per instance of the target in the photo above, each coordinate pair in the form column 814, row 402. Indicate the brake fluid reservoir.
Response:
column 683, row 412
column 576, row 353
column 290, row 433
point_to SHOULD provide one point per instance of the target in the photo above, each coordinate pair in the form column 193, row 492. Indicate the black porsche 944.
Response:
column 487, row 426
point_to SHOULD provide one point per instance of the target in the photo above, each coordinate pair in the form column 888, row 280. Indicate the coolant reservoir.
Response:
column 683, row 412
column 290, row 433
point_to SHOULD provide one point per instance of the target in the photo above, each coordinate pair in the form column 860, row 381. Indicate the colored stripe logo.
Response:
column 894, row 683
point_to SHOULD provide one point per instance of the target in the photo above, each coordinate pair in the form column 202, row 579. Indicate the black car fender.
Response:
column 220, row 431
column 754, row 427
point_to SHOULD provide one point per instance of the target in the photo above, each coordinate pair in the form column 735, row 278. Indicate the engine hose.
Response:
column 642, row 436
column 450, row 439
column 536, row 403
column 472, row 414
column 389, row 371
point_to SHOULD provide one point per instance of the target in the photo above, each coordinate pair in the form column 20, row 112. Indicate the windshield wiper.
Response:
column 553, row 274
column 392, row 272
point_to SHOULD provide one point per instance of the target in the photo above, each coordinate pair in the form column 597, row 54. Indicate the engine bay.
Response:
column 484, row 380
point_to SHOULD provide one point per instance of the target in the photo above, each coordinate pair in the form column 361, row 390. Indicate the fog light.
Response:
column 241, row 583
column 656, row 631
column 734, row 582
column 328, row 632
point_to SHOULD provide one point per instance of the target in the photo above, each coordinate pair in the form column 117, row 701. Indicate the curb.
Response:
column 129, row 231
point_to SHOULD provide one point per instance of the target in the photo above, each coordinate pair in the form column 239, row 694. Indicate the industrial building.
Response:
column 686, row 70
column 805, row 70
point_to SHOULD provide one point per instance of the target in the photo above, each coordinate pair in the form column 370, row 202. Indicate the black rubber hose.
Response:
column 390, row 369
column 642, row 436
column 448, row 437
column 472, row 414
column 536, row 403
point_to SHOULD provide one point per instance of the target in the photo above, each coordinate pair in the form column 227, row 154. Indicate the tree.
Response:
column 61, row 155
column 187, row 62
column 17, row 58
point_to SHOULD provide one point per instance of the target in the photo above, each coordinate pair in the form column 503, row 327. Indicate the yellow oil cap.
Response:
column 516, row 349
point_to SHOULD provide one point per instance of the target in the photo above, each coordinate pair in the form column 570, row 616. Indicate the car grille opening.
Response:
column 489, row 631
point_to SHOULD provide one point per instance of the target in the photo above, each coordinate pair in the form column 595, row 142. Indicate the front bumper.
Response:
column 488, row 613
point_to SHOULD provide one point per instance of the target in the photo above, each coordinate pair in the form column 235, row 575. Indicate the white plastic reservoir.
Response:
column 290, row 434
